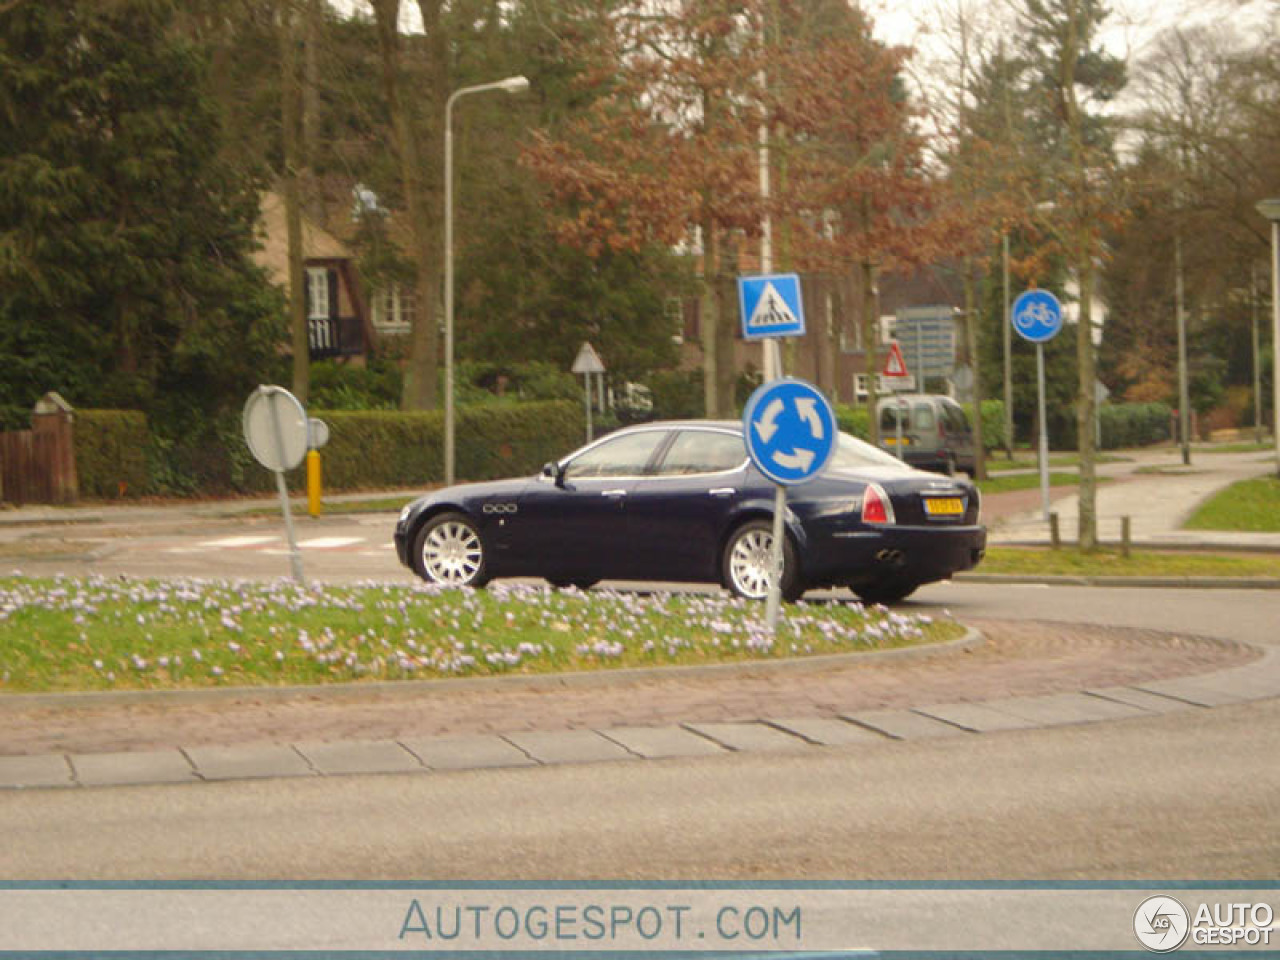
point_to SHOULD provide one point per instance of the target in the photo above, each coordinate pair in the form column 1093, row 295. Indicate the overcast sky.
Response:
column 1131, row 26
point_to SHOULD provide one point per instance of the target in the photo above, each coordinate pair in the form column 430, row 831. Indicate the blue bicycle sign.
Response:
column 1037, row 316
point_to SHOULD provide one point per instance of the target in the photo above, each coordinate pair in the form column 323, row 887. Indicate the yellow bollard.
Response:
column 313, row 482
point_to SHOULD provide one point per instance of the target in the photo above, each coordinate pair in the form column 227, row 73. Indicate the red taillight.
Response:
column 876, row 505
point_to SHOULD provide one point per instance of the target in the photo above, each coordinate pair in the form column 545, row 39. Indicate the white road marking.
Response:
column 232, row 542
column 329, row 543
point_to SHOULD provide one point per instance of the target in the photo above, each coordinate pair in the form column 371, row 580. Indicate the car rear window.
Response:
column 853, row 454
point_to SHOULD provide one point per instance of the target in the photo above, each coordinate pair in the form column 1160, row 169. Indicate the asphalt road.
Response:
column 1195, row 795
column 1188, row 795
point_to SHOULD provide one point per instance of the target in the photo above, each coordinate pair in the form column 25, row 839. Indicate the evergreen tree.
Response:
column 125, row 277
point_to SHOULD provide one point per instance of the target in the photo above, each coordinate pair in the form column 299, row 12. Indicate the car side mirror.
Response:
column 553, row 471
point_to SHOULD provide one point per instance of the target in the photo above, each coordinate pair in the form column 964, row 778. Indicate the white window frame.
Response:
column 317, row 293
column 393, row 308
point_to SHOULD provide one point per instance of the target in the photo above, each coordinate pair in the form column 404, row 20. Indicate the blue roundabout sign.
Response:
column 790, row 430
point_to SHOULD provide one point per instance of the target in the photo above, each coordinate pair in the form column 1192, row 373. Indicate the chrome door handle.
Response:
column 722, row 492
column 613, row 493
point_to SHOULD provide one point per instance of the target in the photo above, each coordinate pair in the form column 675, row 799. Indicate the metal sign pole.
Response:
column 295, row 558
column 774, row 599
column 586, row 399
column 901, row 403
column 1044, row 433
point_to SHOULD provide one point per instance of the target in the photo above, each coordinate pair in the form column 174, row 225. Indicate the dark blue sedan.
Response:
column 680, row 501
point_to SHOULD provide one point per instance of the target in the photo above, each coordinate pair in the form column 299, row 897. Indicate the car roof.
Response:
column 669, row 424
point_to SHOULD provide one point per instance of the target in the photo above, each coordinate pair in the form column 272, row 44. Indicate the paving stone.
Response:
column 1150, row 702
column 977, row 717
column 249, row 762
column 1201, row 691
column 359, row 756
column 568, row 746
column 46, row 770
column 749, row 737
column 115, row 769
column 657, row 742
column 1065, row 708
column 467, row 753
column 827, row 731
column 903, row 724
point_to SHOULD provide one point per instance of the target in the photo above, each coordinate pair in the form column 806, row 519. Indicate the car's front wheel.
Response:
column 448, row 551
column 748, row 560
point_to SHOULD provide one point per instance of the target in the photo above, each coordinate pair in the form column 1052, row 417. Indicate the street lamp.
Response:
column 510, row 85
column 1271, row 210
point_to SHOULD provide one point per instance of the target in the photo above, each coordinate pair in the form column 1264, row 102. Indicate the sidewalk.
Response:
column 1157, row 504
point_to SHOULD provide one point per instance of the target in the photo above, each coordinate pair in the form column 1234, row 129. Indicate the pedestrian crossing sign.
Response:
column 771, row 306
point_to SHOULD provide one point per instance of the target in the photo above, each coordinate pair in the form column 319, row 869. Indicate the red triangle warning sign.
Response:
column 894, row 365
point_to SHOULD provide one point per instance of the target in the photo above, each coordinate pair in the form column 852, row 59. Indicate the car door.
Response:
column 676, row 515
column 574, row 525
column 961, row 435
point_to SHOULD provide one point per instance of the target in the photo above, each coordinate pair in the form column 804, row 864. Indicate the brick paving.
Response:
column 1024, row 658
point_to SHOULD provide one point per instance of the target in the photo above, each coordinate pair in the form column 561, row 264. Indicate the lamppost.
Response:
column 510, row 85
column 1271, row 210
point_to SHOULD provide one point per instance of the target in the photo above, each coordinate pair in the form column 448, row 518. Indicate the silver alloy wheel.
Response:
column 750, row 562
column 452, row 554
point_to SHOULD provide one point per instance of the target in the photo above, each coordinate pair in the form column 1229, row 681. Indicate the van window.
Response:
column 957, row 422
column 922, row 415
column 889, row 417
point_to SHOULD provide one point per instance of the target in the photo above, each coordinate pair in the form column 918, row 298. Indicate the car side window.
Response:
column 702, row 451
column 624, row 456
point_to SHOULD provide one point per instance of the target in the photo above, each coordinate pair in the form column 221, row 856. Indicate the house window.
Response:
column 317, row 293
column 394, row 307
column 673, row 310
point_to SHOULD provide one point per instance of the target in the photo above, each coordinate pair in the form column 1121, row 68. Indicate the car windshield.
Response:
column 854, row 454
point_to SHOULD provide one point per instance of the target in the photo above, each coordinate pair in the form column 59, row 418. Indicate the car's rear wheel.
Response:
column 448, row 551
column 885, row 593
column 748, row 559
column 581, row 584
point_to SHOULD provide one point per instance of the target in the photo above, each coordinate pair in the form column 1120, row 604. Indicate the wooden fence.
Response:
column 39, row 465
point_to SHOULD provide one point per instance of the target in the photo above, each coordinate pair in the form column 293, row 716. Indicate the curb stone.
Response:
column 1260, row 681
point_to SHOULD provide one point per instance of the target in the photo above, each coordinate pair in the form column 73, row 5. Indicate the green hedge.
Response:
column 111, row 453
column 992, row 423
column 854, row 420
column 1133, row 424
column 378, row 448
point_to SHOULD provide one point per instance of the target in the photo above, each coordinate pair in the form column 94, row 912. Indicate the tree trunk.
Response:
column 421, row 374
column 710, row 320
column 291, row 123
column 870, row 344
column 1082, row 250
column 726, row 333
column 971, row 348
column 1085, row 404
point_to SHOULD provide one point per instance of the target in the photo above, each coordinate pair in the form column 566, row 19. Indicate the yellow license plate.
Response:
column 944, row 506
column 893, row 441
